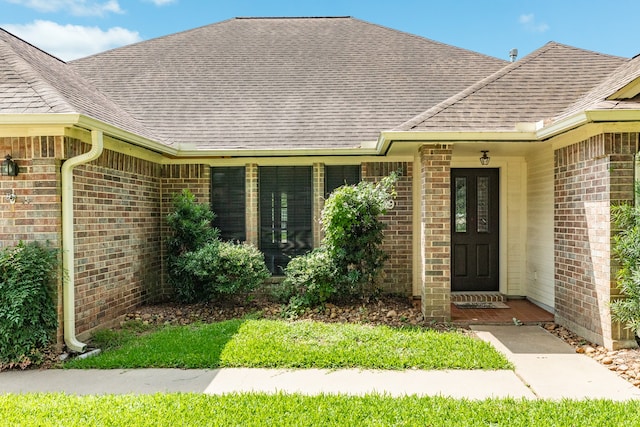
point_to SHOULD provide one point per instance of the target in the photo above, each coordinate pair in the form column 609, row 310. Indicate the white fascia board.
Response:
column 356, row 151
column 387, row 137
column 84, row 122
column 628, row 91
column 563, row 125
column 63, row 119
column 614, row 115
column 585, row 117
column 116, row 132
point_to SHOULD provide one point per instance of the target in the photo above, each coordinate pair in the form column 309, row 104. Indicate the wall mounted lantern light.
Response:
column 484, row 160
column 9, row 167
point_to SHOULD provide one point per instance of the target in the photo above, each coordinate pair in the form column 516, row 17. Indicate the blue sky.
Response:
column 74, row 28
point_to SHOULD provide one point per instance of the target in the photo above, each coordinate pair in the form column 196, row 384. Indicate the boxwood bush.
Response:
column 310, row 280
column 28, row 317
column 223, row 268
column 201, row 266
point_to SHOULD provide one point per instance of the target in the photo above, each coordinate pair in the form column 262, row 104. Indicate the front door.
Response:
column 474, row 229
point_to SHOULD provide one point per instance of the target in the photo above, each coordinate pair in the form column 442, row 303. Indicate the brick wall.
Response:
column 397, row 275
column 36, row 214
column 590, row 177
column 117, row 230
column 436, row 231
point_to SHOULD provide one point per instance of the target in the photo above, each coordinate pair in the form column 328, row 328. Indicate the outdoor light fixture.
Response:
column 9, row 167
column 484, row 160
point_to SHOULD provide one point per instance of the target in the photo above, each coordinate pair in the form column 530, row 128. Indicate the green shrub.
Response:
column 28, row 317
column 309, row 281
column 354, row 233
column 350, row 258
column 200, row 266
column 191, row 229
column 223, row 268
column 190, row 224
column 187, row 288
column 626, row 249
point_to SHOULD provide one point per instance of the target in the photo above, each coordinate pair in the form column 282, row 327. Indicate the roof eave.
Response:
column 130, row 137
column 629, row 90
column 289, row 152
column 388, row 137
column 367, row 148
column 585, row 117
column 61, row 119
column 85, row 122
column 561, row 126
column 613, row 115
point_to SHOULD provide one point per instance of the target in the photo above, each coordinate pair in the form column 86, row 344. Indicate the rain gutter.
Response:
column 68, row 242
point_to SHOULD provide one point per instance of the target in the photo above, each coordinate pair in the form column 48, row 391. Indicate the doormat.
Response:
column 480, row 304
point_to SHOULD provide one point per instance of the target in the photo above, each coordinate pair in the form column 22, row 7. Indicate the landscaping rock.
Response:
column 390, row 311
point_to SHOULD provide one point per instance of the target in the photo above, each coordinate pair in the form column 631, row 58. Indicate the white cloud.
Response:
column 161, row 2
column 529, row 23
column 69, row 42
column 74, row 7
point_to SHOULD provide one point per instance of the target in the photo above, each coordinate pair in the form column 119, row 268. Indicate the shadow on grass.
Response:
column 197, row 345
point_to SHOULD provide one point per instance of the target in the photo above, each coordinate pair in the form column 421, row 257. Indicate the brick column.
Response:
column 252, row 207
column 436, row 232
column 590, row 177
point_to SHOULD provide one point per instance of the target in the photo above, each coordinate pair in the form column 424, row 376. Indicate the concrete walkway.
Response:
column 546, row 368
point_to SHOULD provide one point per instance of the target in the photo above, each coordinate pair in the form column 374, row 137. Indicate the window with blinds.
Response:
column 228, row 202
column 285, row 214
column 337, row 176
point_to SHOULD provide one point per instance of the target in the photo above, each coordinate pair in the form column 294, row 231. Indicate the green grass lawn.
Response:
column 301, row 344
column 294, row 410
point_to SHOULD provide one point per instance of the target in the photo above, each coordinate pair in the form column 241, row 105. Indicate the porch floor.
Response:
column 520, row 309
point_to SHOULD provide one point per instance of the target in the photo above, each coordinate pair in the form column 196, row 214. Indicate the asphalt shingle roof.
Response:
column 596, row 99
column 282, row 82
column 306, row 83
column 537, row 87
column 32, row 81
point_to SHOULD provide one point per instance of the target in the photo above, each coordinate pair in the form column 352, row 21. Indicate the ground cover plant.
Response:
column 301, row 344
column 56, row 409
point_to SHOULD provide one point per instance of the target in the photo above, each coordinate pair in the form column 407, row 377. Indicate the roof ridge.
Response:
column 30, row 44
column 189, row 30
column 469, row 91
column 595, row 52
column 423, row 38
column 291, row 17
column 30, row 74
column 603, row 90
column 31, row 68
column 436, row 109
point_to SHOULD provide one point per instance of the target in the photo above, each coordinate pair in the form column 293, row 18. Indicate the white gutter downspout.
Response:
column 68, row 243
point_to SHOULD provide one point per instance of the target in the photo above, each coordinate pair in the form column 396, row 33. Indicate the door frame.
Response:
column 470, row 240
column 502, row 165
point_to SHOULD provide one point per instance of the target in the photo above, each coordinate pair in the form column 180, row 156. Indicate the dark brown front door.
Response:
column 474, row 229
